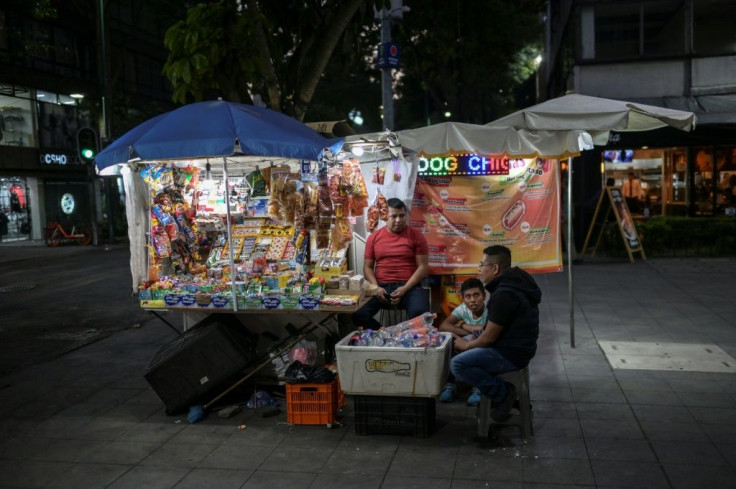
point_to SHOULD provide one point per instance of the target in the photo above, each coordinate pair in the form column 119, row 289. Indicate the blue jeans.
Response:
column 479, row 367
column 415, row 302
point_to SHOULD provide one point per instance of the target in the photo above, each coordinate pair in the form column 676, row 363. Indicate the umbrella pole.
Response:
column 571, row 303
column 229, row 235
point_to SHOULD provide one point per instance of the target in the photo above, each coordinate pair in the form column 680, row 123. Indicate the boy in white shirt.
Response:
column 466, row 320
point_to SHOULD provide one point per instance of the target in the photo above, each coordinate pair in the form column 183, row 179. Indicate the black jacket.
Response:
column 513, row 305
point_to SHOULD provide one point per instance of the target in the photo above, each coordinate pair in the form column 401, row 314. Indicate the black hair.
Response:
column 395, row 203
column 471, row 283
column 503, row 254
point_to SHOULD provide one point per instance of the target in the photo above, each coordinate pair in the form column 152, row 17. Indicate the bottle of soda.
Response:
column 406, row 340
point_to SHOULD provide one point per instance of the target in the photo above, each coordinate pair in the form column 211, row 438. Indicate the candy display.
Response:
column 285, row 239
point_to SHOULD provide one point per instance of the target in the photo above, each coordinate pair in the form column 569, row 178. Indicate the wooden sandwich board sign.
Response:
column 612, row 199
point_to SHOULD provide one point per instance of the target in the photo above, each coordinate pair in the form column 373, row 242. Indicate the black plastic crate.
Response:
column 391, row 415
column 197, row 363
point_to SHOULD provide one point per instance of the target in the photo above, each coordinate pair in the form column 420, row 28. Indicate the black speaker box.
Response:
column 197, row 363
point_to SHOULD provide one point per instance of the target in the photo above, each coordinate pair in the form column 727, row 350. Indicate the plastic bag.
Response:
column 261, row 399
column 305, row 352
column 298, row 373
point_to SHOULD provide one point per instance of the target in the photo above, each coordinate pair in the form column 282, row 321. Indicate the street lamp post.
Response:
column 387, row 92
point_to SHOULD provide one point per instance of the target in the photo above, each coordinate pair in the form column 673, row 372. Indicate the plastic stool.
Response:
column 520, row 379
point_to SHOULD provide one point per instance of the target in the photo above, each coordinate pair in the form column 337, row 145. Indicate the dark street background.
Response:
column 54, row 300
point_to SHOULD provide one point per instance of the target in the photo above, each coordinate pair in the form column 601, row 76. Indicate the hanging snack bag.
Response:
column 379, row 174
column 371, row 222
column 382, row 205
column 160, row 242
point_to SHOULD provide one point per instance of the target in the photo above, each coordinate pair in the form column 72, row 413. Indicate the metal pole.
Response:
column 387, row 90
column 571, row 302
column 229, row 236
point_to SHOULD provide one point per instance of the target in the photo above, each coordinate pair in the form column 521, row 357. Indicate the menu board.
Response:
column 462, row 215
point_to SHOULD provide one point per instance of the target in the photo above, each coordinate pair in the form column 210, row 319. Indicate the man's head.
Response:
column 496, row 259
column 631, row 175
column 396, row 221
column 474, row 295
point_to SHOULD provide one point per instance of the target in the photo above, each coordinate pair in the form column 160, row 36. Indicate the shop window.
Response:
column 14, row 209
column 645, row 165
column 58, row 125
column 703, row 191
column 726, row 180
column 16, row 127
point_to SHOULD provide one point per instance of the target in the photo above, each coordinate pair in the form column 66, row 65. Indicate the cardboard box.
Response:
column 393, row 371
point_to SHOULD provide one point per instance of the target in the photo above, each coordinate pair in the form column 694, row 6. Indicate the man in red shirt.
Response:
column 396, row 259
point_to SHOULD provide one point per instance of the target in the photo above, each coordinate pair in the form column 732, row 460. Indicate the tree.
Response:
column 466, row 58
column 273, row 50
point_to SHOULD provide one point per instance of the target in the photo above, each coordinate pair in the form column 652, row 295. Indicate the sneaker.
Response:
column 448, row 393
column 474, row 397
column 501, row 410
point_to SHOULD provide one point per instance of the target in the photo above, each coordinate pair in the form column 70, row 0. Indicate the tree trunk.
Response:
column 322, row 54
column 271, row 81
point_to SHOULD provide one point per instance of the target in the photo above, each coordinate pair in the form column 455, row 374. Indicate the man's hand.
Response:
column 382, row 295
column 460, row 343
column 396, row 295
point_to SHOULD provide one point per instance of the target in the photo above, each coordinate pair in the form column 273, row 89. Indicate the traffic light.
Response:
column 87, row 144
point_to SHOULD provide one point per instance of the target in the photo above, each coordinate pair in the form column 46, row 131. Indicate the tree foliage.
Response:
column 273, row 50
column 465, row 57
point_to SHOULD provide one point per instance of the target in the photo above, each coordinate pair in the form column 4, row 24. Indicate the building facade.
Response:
column 679, row 54
column 51, row 85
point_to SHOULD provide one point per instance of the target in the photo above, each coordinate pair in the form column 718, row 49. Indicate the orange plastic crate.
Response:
column 312, row 403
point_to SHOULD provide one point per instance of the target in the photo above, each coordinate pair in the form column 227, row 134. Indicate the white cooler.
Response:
column 393, row 371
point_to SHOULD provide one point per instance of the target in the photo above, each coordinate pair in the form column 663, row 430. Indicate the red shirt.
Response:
column 395, row 254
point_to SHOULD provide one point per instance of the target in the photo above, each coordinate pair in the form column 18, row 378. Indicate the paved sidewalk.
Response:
column 88, row 419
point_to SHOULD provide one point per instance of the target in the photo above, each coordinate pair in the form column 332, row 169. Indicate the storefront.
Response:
column 41, row 177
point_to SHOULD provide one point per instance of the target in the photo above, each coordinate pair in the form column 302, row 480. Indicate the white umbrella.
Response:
column 598, row 116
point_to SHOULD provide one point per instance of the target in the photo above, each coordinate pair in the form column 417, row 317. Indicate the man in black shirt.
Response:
column 509, row 340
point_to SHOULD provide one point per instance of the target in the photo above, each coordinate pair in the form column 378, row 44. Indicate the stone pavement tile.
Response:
column 214, row 479
column 604, row 411
column 399, row 482
column 130, row 412
column 204, row 432
column 615, row 473
column 627, row 429
column 544, row 485
column 557, row 428
column 613, row 449
column 663, row 413
column 314, row 436
column 296, row 459
column 257, row 435
column 423, row 462
column 557, row 471
column 30, row 474
column 728, row 450
column 557, row 394
column 553, row 409
column 150, row 477
column 59, row 427
column 647, row 384
column 483, row 465
column 556, row 448
column 479, row 484
column 103, row 429
column 688, row 452
column 88, row 476
column 598, row 395
column 662, row 398
column 349, row 458
column 179, row 454
column 151, row 431
column 122, row 452
column 708, row 399
column 22, row 447
column 348, row 481
column 237, row 457
column 674, row 431
column 700, row 477
column 720, row 433
column 715, row 415
column 694, row 385
column 264, row 479
column 67, row 450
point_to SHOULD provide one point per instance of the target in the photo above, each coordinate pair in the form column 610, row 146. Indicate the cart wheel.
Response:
column 85, row 239
column 53, row 237
column 329, row 426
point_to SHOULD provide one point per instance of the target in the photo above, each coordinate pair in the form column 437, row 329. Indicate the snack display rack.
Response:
column 256, row 240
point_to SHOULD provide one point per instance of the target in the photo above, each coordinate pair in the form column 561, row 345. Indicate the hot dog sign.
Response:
column 461, row 215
